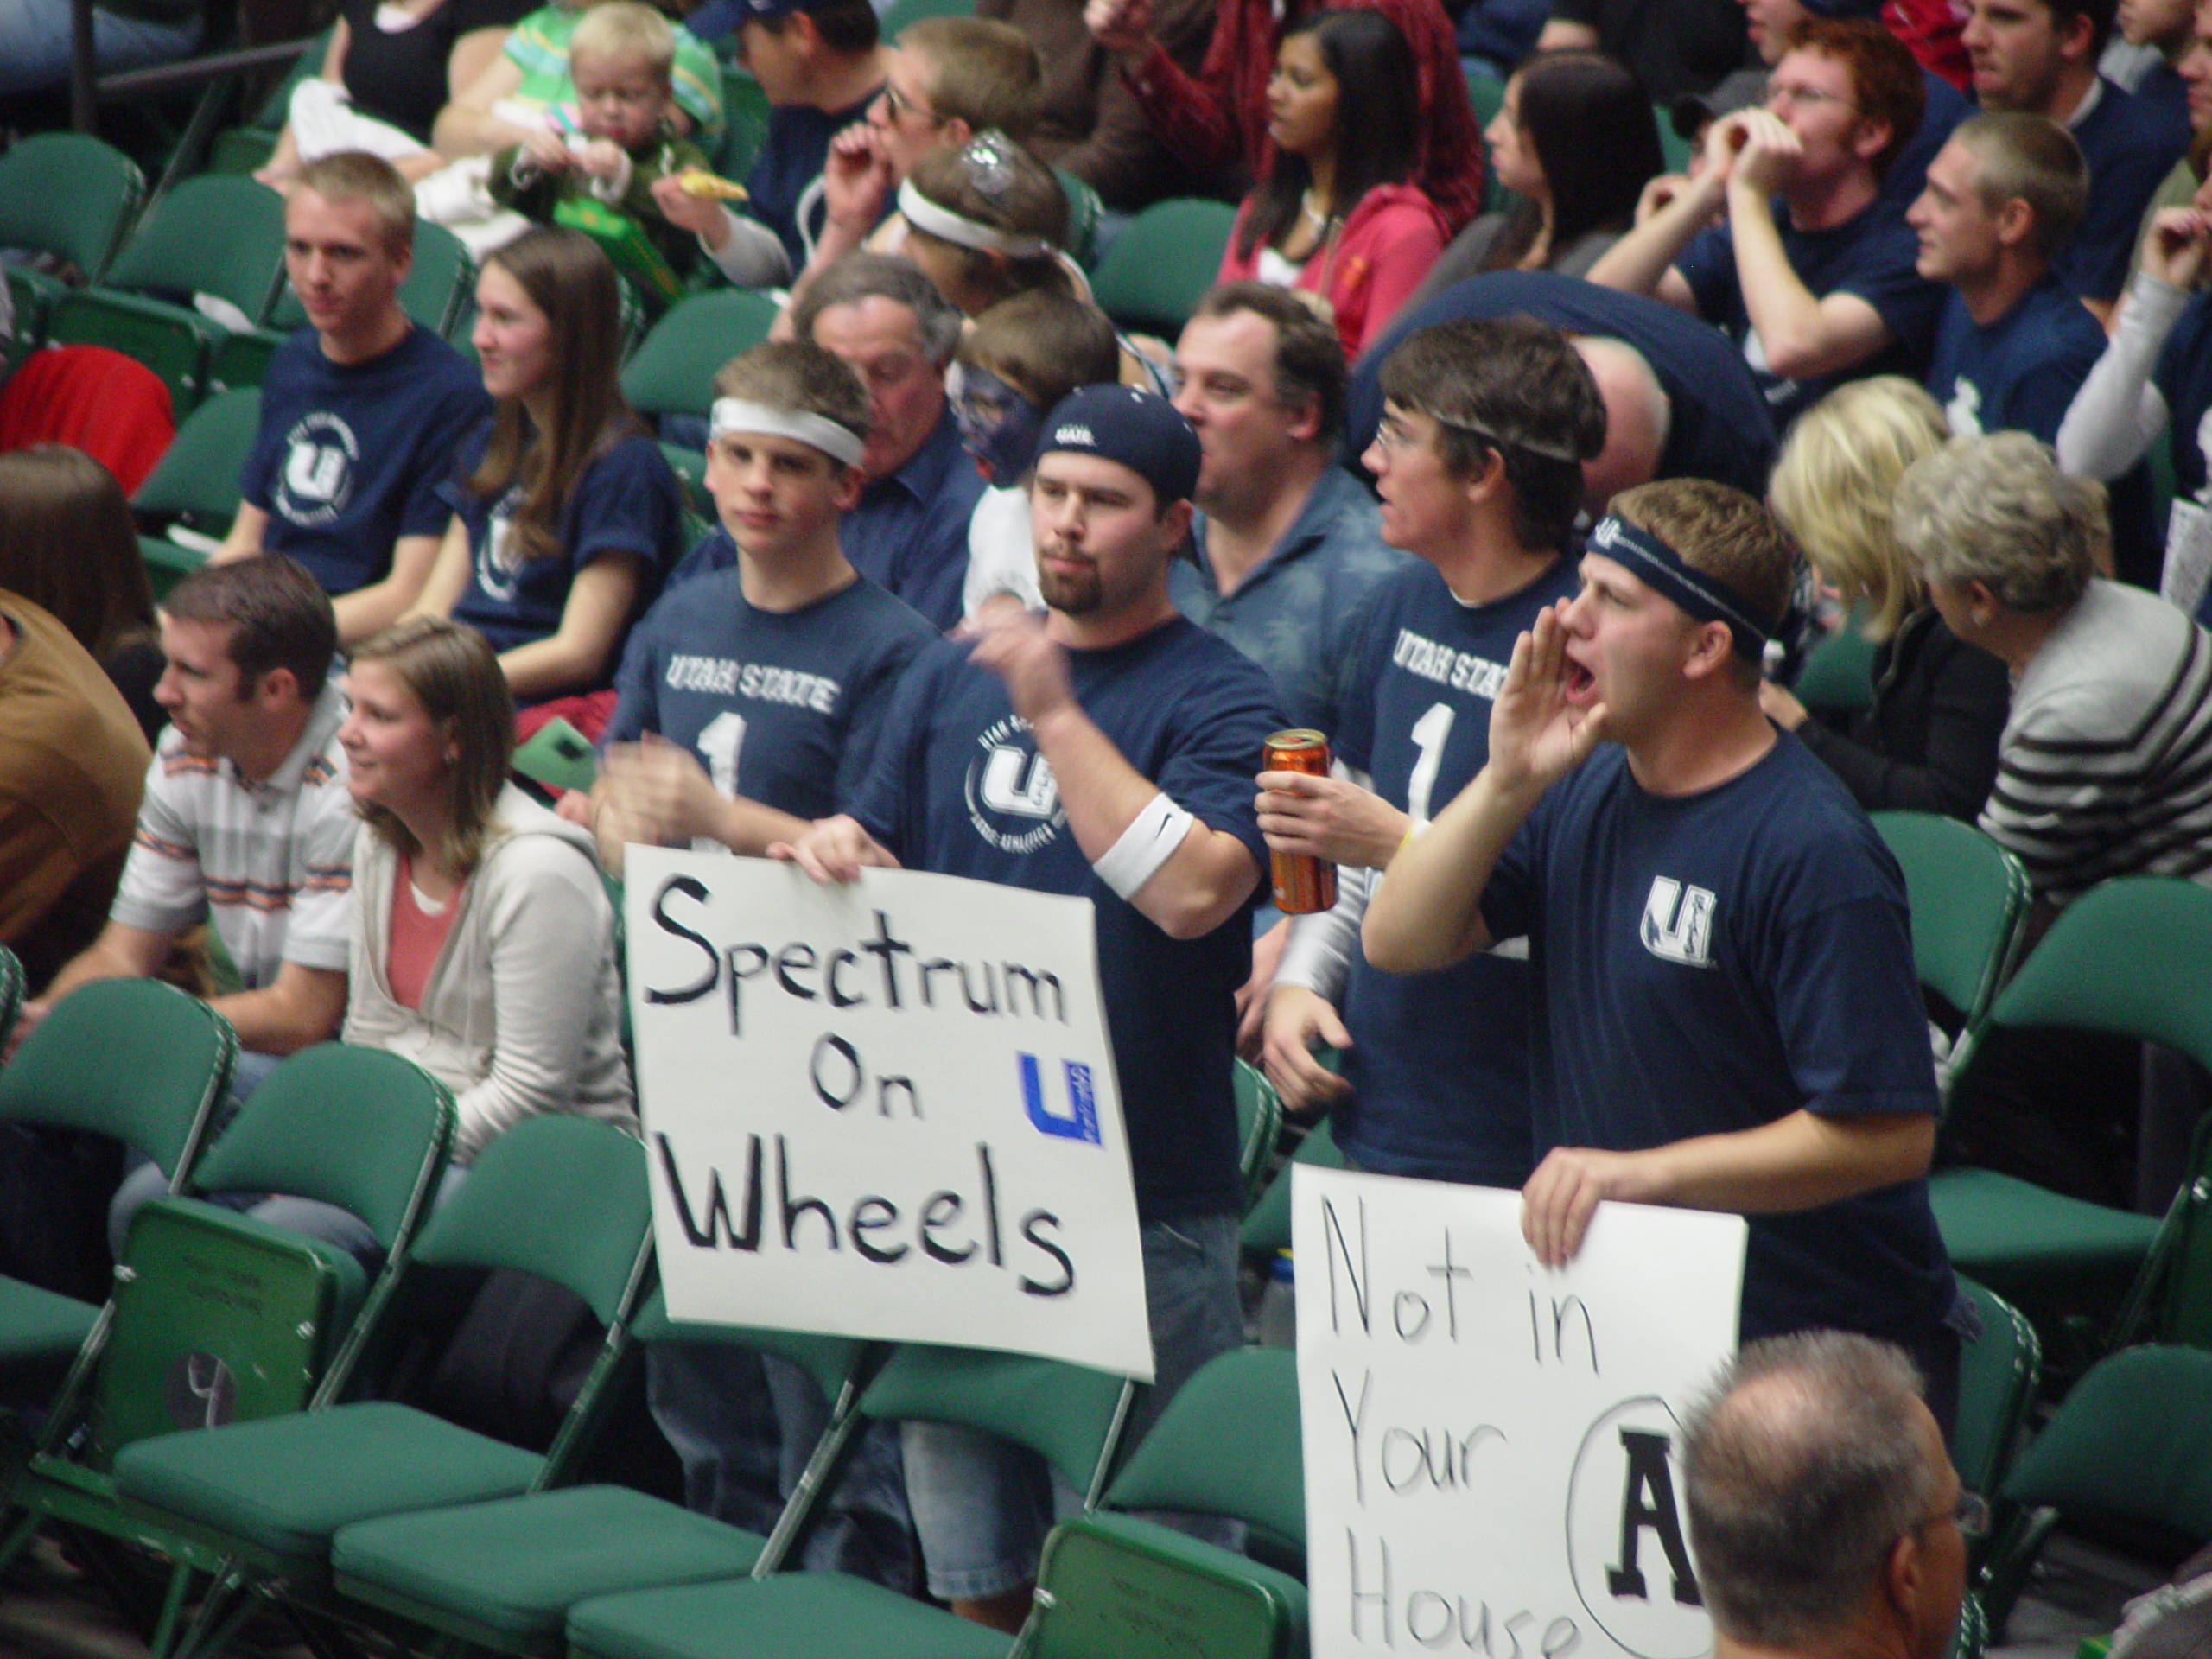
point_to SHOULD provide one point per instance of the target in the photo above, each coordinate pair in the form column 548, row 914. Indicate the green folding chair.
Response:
column 1838, row 676
column 900, row 13
column 1086, row 208
column 1267, row 1224
column 222, row 1318
column 673, row 370
column 503, row 1575
column 214, row 234
column 1998, row 1372
column 133, row 1059
column 2133, row 1442
column 237, row 1491
column 1259, row 1117
column 1069, row 1415
column 744, row 123
column 1159, row 265
column 2127, row 957
column 196, row 484
column 69, row 195
column 1116, row 1586
column 11, row 992
column 1969, row 902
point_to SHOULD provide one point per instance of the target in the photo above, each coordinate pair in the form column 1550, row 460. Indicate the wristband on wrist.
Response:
column 1149, row 842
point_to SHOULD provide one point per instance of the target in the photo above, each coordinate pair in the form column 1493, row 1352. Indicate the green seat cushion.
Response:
column 40, row 1325
column 821, row 1615
column 1995, row 1224
column 286, row 1484
column 517, row 1566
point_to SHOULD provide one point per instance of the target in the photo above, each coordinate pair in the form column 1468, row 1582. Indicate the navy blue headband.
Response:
column 1661, row 568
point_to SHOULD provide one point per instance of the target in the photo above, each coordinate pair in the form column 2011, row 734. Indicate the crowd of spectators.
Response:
column 1531, row 504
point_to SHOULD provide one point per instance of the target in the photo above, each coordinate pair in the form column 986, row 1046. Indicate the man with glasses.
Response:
column 1824, row 1513
column 1812, row 272
column 910, row 531
column 1478, row 459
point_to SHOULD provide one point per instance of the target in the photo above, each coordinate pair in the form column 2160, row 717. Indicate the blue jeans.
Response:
column 982, row 1507
column 743, row 1425
column 34, row 43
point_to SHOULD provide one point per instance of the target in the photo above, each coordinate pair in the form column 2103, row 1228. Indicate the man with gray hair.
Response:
column 910, row 531
column 2013, row 344
column 1824, row 1513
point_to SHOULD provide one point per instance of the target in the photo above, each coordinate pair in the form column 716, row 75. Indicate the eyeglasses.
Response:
column 896, row 103
column 1393, row 439
column 1970, row 1514
column 1777, row 96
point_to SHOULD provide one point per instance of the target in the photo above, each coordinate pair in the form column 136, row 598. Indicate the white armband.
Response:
column 1149, row 842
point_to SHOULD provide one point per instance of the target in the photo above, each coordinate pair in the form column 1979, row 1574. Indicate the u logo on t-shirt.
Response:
column 1678, row 923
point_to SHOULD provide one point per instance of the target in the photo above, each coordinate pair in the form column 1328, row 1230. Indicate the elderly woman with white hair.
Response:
column 2105, row 767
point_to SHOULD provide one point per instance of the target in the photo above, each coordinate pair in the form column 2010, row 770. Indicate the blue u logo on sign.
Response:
column 1081, row 1122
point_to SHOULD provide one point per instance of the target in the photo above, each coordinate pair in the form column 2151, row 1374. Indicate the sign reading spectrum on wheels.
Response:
column 884, row 1110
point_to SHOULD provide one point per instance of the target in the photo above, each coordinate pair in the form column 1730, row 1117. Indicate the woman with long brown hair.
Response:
column 567, row 516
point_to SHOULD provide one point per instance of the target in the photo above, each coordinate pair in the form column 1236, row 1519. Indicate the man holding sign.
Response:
column 1105, row 750
column 1726, row 1013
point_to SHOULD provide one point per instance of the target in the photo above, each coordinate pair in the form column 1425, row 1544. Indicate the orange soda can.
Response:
column 1303, row 883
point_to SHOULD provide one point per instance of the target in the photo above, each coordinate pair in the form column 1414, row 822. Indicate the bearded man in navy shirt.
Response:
column 1105, row 749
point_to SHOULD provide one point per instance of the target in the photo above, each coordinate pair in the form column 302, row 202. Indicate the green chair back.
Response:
column 1838, row 676
column 11, row 992
column 1084, row 210
column 558, row 1196
column 213, row 234
column 744, row 123
column 1969, row 900
column 1229, row 1444
column 239, row 361
column 2127, row 957
column 2132, row 1439
column 197, row 478
column 172, row 341
column 1267, row 1224
column 673, row 370
column 1997, row 1384
column 900, row 13
column 133, row 1059
column 70, row 195
column 360, row 1127
column 832, row 1362
column 1163, row 260
column 1259, row 1115
column 1068, row 1415
column 1486, row 96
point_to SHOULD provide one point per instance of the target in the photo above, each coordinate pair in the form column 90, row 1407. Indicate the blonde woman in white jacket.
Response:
column 483, row 942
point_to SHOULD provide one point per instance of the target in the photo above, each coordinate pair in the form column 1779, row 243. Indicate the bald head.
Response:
column 1637, row 419
column 1813, row 1458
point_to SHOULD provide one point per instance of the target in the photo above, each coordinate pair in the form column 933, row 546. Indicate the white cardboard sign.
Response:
column 1490, row 1454
column 882, row 1110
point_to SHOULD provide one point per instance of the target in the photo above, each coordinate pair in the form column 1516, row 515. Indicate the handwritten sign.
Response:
column 1492, row 1457
column 887, row 1109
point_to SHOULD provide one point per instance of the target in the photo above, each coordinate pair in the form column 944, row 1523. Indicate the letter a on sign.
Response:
column 1647, row 1501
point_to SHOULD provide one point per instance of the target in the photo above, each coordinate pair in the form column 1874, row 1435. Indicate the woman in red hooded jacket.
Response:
column 1337, row 215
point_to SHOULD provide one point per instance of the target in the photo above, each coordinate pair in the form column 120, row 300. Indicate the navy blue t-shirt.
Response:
column 350, row 456
column 959, row 788
column 2131, row 143
column 2184, row 376
column 781, row 707
column 1708, row 963
column 1438, row 1062
column 910, row 531
column 1720, row 427
column 2020, row 373
column 791, row 154
column 1872, row 254
column 625, row 501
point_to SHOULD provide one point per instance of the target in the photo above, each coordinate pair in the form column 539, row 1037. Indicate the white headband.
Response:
column 735, row 415
column 945, row 225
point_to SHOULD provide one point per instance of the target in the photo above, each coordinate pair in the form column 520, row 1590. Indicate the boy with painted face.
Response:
column 750, row 700
column 1020, row 359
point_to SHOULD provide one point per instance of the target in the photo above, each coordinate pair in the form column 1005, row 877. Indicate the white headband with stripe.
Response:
column 734, row 415
column 947, row 227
